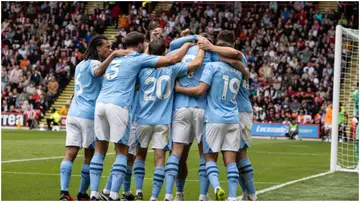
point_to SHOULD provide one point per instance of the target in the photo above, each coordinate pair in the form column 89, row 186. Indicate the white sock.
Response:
column 231, row 199
column 106, row 191
column 253, row 197
column 137, row 191
column 114, row 195
column 168, row 197
column 94, row 194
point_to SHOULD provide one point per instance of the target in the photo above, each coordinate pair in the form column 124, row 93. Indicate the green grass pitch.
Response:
column 274, row 161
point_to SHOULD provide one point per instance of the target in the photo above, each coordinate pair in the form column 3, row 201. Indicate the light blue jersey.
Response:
column 224, row 83
column 243, row 100
column 156, row 93
column 135, row 105
column 87, row 89
column 120, row 76
column 192, row 78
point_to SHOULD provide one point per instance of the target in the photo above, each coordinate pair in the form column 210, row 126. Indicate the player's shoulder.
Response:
column 146, row 72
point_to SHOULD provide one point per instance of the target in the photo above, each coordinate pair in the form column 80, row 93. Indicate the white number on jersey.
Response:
column 188, row 59
column 158, row 84
column 79, row 85
column 114, row 71
column 230, row 86
column 245, row 84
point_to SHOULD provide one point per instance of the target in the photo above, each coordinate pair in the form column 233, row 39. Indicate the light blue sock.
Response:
column 233, row 178
column 241, row 180
column 159, row 176
column 96, row 169
column 127, row 180
column 171, row 172
column 203, row 180
column 139, row 173
column 212, row 172
column 118, row 172
column 247, row 172
column 65, row 174
column 109, row 181
column 85, row 178
column 180, row 184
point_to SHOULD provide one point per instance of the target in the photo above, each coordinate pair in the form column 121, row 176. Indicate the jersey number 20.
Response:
column 158, row 84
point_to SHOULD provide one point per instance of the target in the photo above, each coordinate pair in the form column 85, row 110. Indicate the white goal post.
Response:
column 346, row 78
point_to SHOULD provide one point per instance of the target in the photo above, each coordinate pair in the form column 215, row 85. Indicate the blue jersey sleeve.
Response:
column 94, row 64
column 180, row 69
column 208, row 74
column 177, row 43
column 148, row 60
column 215, row 57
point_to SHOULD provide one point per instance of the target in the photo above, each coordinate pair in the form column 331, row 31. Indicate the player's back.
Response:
column 156, row 93
column 87, row 89
column 221, row 99
column 120, row 76
column 192, row 79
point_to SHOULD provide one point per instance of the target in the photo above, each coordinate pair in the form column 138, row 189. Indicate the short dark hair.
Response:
column 133, row 39
column 226, row 36
column 91, row 51
column 207, row 36
column 157, row 47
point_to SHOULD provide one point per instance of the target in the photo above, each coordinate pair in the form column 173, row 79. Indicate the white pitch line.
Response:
column 292, row 182
column 55, row 174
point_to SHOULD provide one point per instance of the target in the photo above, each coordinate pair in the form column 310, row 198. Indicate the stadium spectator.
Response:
column 30, row 115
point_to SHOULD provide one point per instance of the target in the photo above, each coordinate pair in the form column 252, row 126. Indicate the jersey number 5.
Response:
column 158, row 84
column 230, row 86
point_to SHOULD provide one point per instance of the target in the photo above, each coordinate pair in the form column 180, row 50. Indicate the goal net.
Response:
column 344, row 141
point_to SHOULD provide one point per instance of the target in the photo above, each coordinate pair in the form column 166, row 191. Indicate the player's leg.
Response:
column 85, row 175
column 160, row 145
column 199, row 131
column 229, row 148
column 246, row 179
column 102, row 131
column 144, row 134
column 127, row 195
column 88, row 144
column 212, row 141
column 73, row 143
column 181, row 127
column 182, row 174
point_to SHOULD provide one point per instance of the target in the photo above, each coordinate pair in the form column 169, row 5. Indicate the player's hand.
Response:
column 189, row 44
column 177, row 86
column 185, row 32
column 120, row 52
column 205, row 44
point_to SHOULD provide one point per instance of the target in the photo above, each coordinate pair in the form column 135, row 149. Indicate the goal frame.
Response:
column 336, row 100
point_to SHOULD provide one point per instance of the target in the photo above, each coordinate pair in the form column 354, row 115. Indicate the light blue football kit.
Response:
column 80, row 119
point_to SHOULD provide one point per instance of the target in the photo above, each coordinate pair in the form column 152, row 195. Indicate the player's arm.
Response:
column 100, row 71
column 175, row 57
column 177, row 43
column 236, row 64
column 193, row 91
column 196, row 63
column 224, row 51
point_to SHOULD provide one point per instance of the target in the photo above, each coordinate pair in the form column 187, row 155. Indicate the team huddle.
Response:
column 140, row 95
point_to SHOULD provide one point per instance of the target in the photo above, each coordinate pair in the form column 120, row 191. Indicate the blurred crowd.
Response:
column 289, row 49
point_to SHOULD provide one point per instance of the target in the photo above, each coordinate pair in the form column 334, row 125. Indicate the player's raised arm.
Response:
column 100, row 71
column 193, row 91
column 177, row 43
column 175, row 57
column 196, row 63
column 222, row 50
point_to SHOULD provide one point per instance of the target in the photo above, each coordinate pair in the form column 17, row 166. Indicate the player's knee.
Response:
column 141, row 153
column 131, row 159
column 242, row 154
column 159, row 157
column 70, row 153
column 178, row 149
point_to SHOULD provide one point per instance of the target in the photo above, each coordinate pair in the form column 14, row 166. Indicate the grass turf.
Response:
column 274, row 162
